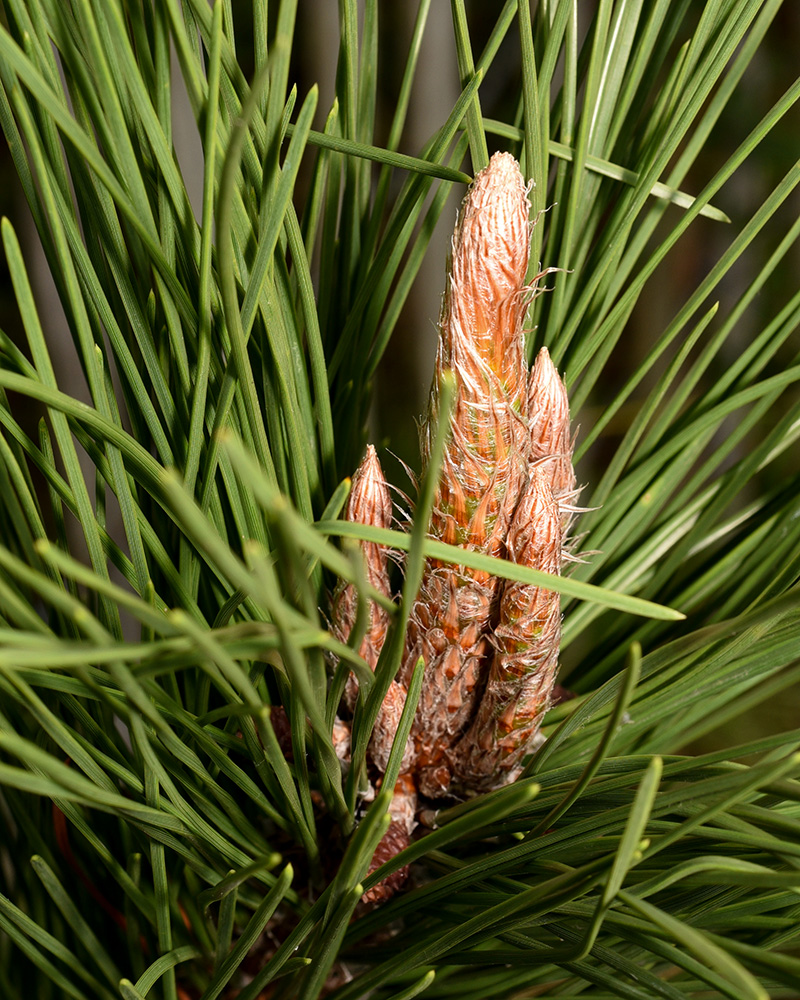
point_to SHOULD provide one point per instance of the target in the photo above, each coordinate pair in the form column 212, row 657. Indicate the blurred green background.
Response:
column 403, row 379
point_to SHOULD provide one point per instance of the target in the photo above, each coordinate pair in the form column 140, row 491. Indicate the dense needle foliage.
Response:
column 167, row 549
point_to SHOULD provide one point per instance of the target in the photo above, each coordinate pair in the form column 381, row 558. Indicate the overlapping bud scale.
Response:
column 485, row 460
column 370, row 503
column 526, row 642
column 506, row 488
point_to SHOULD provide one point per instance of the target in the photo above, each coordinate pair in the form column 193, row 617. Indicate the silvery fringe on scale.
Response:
column 485, row 461
column 509, row 437
column 506, row 487
column 526, row 644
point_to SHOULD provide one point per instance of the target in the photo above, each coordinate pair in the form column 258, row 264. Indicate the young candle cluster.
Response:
column 506, row 488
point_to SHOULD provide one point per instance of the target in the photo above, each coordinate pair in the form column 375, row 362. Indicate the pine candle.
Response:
column 503, row 422
column 506, row 488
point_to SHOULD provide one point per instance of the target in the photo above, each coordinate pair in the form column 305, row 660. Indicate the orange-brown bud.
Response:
column 481, row 326
column 385, row 728
column 369, row 503
column 485, row 301
column 526, row 640
column 551, row 442
column 402, row 810
column 485, row 460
